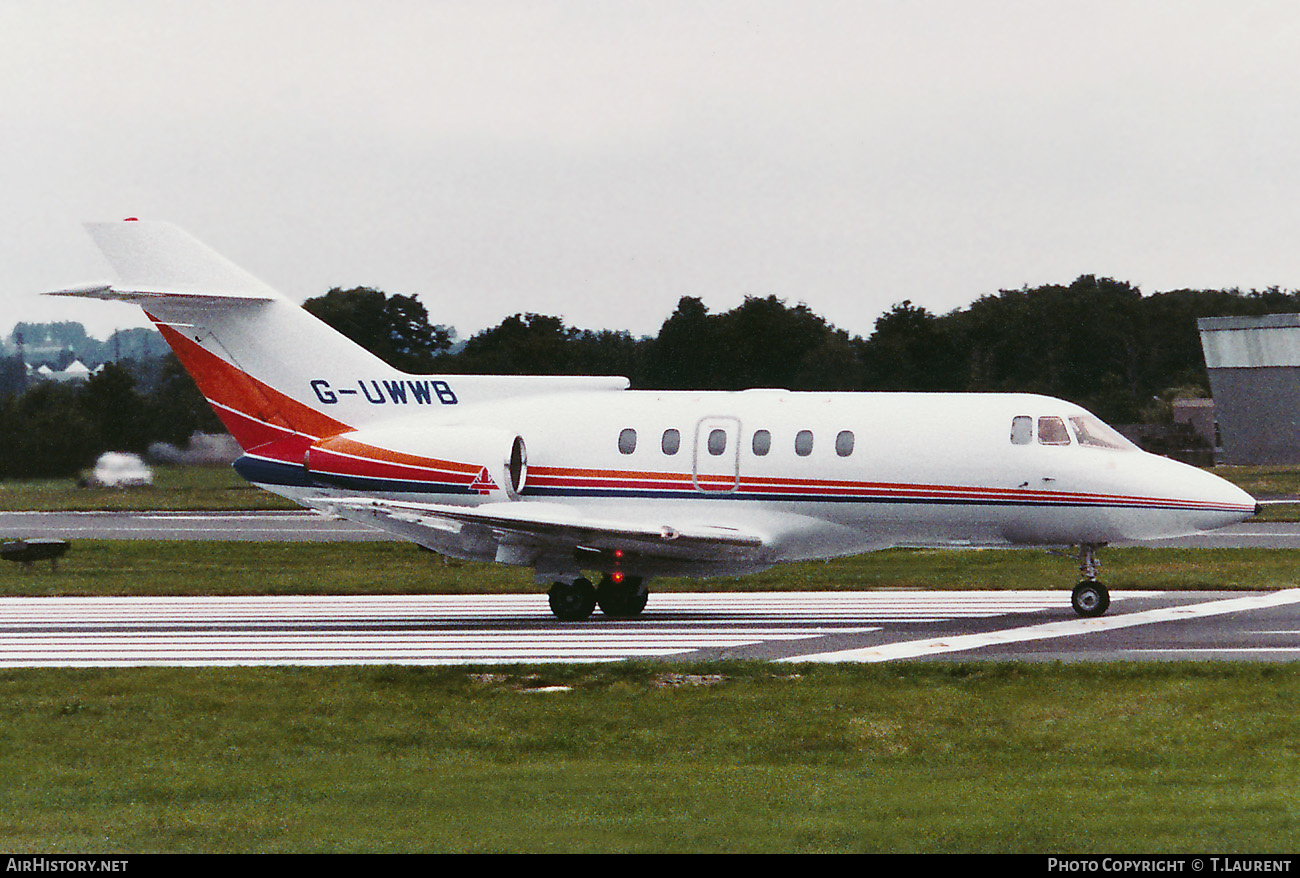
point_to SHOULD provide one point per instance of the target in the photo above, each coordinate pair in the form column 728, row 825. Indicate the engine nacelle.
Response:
column 407, row 459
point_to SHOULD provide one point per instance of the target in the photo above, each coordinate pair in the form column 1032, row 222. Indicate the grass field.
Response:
column 138, row 567
column 1263, row 481
column 653, row 758
column 174, row 488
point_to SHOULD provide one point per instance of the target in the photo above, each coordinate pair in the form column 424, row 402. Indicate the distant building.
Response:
column 76, row 371
column 1254, row 367
column 1198, row 414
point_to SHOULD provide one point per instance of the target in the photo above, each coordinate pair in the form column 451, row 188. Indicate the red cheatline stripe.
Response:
column 568, row 477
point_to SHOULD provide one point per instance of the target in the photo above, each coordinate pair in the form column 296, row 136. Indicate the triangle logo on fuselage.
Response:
column 483, row 482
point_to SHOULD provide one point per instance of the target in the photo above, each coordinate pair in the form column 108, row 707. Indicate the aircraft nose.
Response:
column 1206, row 501
column 1231, row 501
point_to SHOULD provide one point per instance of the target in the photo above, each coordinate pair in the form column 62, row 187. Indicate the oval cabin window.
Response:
column 803, row 442
column 717, row 442
column 671, row 442
column 627, row 441
column 844, row 443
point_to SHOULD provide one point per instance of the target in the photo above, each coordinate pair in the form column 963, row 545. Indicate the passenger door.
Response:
column 716, row 464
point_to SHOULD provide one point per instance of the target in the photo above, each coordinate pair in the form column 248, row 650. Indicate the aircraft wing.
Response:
column 545, row 527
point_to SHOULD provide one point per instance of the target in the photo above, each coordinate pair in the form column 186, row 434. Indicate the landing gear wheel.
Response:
column 1090, row 599
column 622, row 600
column 572, row 601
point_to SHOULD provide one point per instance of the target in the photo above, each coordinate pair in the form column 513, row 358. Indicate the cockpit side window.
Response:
column 1051, row 431
column 1022, row 430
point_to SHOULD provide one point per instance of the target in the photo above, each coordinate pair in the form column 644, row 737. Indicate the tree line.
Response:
column 58, row 429
column 1097, row 341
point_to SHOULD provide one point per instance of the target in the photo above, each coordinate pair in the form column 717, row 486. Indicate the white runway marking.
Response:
column 918, row 648
column 127, row 631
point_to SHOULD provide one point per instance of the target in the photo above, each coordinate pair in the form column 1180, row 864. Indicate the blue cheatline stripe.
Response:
column 264, row 471
column 272, row 472
column 400, row 486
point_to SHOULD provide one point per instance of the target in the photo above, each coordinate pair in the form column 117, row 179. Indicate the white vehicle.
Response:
column 579, row 477
column 117, row 469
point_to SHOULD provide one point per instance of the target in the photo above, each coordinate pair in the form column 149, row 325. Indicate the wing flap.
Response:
column 551, row 526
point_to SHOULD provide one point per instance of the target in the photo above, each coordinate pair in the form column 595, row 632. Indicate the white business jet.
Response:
column 581, row 478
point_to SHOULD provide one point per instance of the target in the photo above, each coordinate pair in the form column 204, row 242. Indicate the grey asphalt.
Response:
column 780, row 627
column 289, row 526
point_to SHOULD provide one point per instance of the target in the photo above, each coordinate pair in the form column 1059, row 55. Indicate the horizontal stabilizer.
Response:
column 144, row 297
column 154, row 260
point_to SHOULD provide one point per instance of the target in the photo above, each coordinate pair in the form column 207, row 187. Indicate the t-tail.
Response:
column 278, row 378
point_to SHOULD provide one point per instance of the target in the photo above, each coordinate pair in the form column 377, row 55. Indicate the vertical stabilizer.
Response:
column 258, row 358
column 279, row 378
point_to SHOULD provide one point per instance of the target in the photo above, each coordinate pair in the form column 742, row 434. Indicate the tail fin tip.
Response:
column 155, row 258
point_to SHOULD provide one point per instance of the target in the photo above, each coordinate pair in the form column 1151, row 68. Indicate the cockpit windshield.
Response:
column 1091, row 432
column 1085, row 431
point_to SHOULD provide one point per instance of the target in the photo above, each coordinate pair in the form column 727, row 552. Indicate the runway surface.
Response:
column 822, row 626
column 289, row 526
column 789, row 627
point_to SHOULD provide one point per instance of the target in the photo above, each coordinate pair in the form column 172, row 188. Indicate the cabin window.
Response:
column 844, row 443
column 672, row 441
column 1022, row 430
column 762, row 442
column 627, row 441
column 803, row 443
column 717, row 442
column 1051, row 431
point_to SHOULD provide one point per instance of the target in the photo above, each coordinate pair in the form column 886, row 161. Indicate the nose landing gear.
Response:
column 1090, row 598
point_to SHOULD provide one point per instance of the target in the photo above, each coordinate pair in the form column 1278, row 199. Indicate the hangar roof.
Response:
column 1250, row 342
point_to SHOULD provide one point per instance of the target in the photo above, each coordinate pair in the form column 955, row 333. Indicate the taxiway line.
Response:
column 961, row 643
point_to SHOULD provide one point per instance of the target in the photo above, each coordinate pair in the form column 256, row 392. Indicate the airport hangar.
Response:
column 1254, row 368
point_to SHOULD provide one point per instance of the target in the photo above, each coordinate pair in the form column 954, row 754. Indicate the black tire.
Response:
column 1090, row 599
column 572, row 601
column 622, row 600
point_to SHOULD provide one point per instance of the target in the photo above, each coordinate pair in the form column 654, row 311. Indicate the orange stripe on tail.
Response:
column 256, row 414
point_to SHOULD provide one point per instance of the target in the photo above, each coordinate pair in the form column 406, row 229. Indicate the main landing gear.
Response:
column 1090, row 598
column 619, row 597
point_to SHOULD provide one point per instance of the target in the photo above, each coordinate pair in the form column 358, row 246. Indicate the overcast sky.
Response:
column 598, row 160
